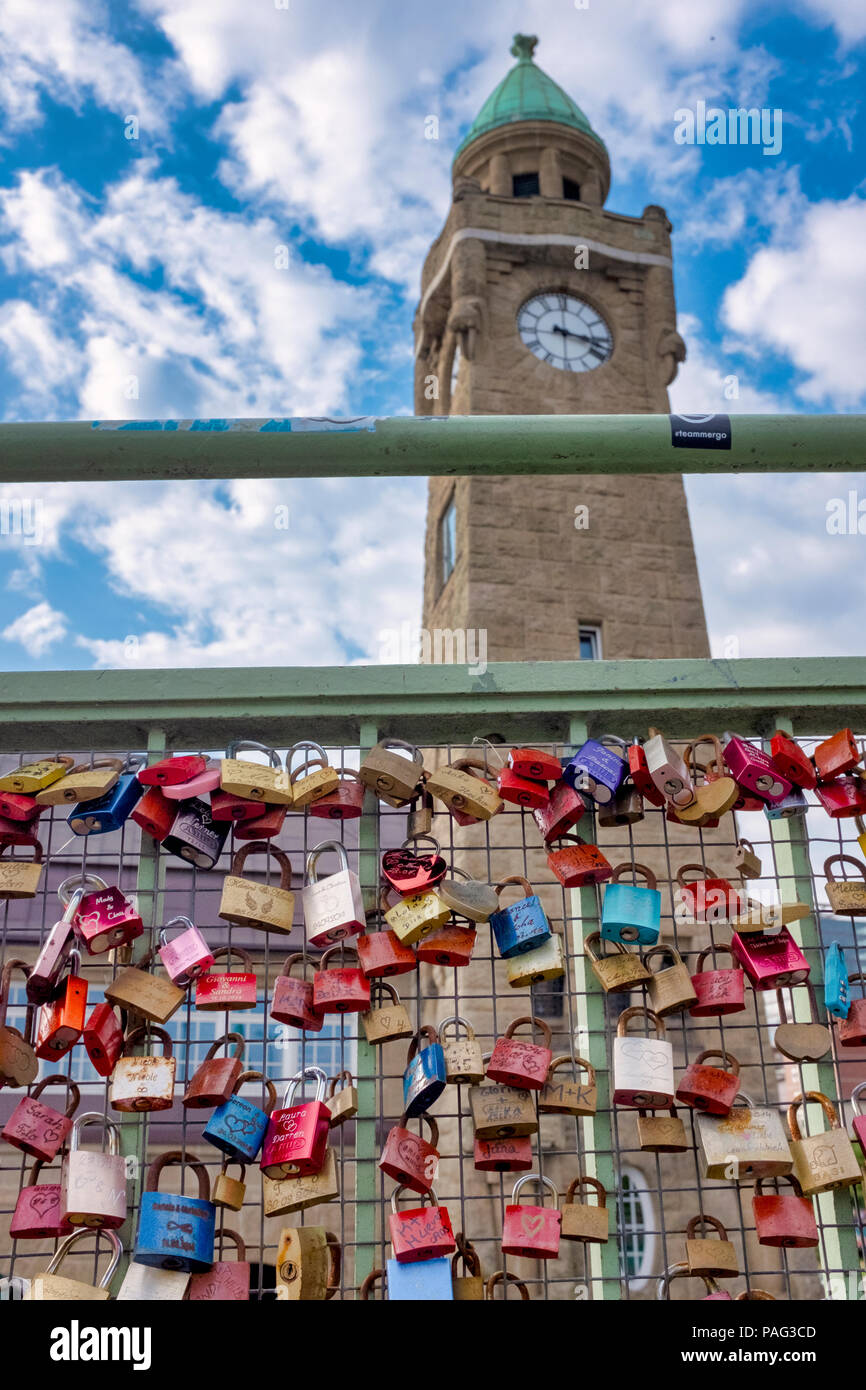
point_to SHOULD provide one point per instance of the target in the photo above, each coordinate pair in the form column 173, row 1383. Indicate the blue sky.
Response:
column 140, row 277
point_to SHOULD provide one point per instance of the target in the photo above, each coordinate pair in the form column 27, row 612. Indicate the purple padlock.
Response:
column 188, row 956
column 597, row 770
column 755, row 770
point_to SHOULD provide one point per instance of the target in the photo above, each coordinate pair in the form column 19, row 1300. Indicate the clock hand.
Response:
column 567, row 333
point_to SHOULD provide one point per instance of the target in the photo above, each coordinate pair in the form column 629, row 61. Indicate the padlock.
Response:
column 579, row 863
column 297, row 1135
column 225, row 806
column 143, row 1083
column 643, row 1068
column 309, row 1261
column 385, row 1022
column 293, row 999
column 427, row 1281
column 343, row 1103
column 842, row 798
column 794, row 804
column 173, row 770
column 139, row 992
column 502, row 1112
column 615, row 973
column 801, row 1042
column 661, row 1134
column 38, row 1129
column 668, row 772
column 836, row 755
column 105, row 918
column 859, row 1117
column 468, row 897
column 421, row 1233
column 523, row 925
column 631, row 912
column 546, row 962
column 468, row 1286
column 708, row 899
column 521, row 791
column 53, row 1287
column 19, row 878
column 837, row 996
column 748, row 863
column 535, row 764
column 82, row 783
column 749, row 1142
column 60, row 1022
column 214, row 1081
column 464, row 1065
column 711, row 1089
column 639, row 773
column 861, row 833
column 771, row 962
column 411, row 872
column 19, row 813
column 344, row 990
column 222, row 990
column 187, row 956
column 251, row 781
column 516, row 1062
column 718, row 992
column 626, row 807
column 561, row 813
column 246, row 903
column 846, row 897
column 451, row 945
column 501, row 1277
column 680, row 1270
column 826, row 1161
column 102, row 814
column 461, row 790
column 93, row 1185
column 264, row 826
column 38, row 1210
column 851, row 1031
column 229, row 1192
column 754, row 769
column 382, row 953
column 409, row 1158
column 143, row 1284
column 417, row 916
column 282, row 1195
column 419, row 817
column 345, row 802
column 34, row 777
column 503, row 1155
column 717, row 1259
column 567, row 1097
column 195, row 836
column 19, row 1064
column 309, row 787
column 791, row 761
column 784, row 1221
column 154, row 814
column 532, row 1232
column 333, row 906
column 716, row 794
column 393, row 778
column 596, row 770
column 670, row 990
column 176, row 1232
column 227, row 1281
column 424, row 1078
column 202, row 784
column 580, row 1221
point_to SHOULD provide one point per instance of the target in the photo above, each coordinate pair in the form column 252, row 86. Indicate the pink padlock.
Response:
column 106, row 919
column 227, row 1281
column 188, row 956
column 38, row 1211
column 755, row 770
column 199, row 785
column 771, row 962
column 38, row 1129
column 859, row 1119
column 52, row 958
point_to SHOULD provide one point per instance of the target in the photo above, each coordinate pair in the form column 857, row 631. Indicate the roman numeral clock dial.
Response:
column 565, row 332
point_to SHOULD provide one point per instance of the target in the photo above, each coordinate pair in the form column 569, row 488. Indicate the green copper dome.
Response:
column 527, row 94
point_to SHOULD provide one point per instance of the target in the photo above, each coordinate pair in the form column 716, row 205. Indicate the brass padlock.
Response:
column 35, row 777
column 309, row 787
column 750, row 1142
column 561, row 1096
column 544, row 962
column 747, row 862
column 500, row 1277
column 145, row 995
column 393, row 779
column 468, row 1286
column 282, row 1195
column 53, row 1287
column 143, row 1083
column 580, row 1221
column 343, row 1104
column 419, row 821
column 461, row 791
column 716, row 793
column 717, row 1259
column 624, row 808
column 661, row 1134
column 846, row 896
column 19, row 878
column 416, row 916
column 85, row 782
column 252, row 781
column 670, row 991
column 19, row 1064
column 265, row 907
column 618, row 972
column 464, row 1064
column 229, row 1192
column 385, row 1022
column 826, row 1161
column 502, row 1112
column 308, row 1264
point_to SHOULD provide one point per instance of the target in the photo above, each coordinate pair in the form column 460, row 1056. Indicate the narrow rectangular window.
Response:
column 570, row 189
column 590, row 644
column 525, row 185
column 448, row 540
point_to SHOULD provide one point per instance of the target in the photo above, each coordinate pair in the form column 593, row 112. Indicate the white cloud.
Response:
column 848, row 17
column 37, row 629
column 704, row 383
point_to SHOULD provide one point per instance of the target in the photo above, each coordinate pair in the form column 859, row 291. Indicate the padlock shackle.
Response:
column 140, row 1034
column 728, row 1057
column 347, row 1079
column 68, row 1241
column 820, row 1099
column 628, row 1014
column 371, row 1280
column 780, row 1177
column 227, row 1162
column 533, row 1022
column 635, row 868
column 174, row 1156
column 842, row 859
column 26, row 842
column 429, row 1120
column 715, row 951
column 700, row 1222
column 291, row 961
column 423, row 1197
column 473, row 766
column 248, row 745
column 269, row 1087
column 263, row 847
column 412, row 841
column 224, row 1041
column 580, row 1182
column 327, row 846
column 227, row 1234
column 228, row 952
column 298, row 1079
column 666, row 948
column 595, row 937
column 377, row 986
column 543, row 1180
column 187, row 922
column 332, row 950
column 457, row 1020
column 858, row 1091
column 74, row 1093
column 680, row 1270
column 320, row 758
column 66, row 893
column 426, row 1031
column 515, row 878
column 703, row 871
column 754, row 1295
column 468, row 1254
column 577, row 1063
column 92, row 1117
column 501, row 1277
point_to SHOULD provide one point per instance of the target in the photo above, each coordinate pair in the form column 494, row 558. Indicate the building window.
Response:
column 570, row 189
column 637, row 1244
column 525, row 185
column 448, row 540
column 455, row 372
column 590, row 644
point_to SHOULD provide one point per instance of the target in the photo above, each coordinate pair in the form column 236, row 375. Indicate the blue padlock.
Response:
column 424, row 1077
column 521, row 927
column 109, row 812
column 631, row 912
column 596, row 770
column 837, row 999
column 424, row 1280
column 238, row 1127
column 176, row 1232
column 794, row 804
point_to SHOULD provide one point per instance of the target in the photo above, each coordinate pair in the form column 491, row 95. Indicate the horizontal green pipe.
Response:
column 418, row 446
column 427, row 704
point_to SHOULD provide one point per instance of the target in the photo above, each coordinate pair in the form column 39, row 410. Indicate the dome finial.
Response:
column 524, row 47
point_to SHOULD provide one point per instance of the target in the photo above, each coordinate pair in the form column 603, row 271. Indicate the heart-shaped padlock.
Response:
column 409, row 872
column 470, row 898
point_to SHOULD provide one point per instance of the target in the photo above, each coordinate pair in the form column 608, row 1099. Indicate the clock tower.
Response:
column 536, row 299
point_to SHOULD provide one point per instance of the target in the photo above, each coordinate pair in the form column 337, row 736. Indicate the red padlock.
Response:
column 227, row 1281
column 293, row 999
column 297, row 1135
column 791, row 761
column 213, row 1083
column 38, row 1129
column 707, row 899
column 504, row 1155
column 346, row 802
column 103, row 1038
column 38, row 1211
column 521, row 791
column 61, row 1020
column 710, row 1089
column 170, row 772
column 782, row 1220
column 16, row 832
column 719, row 991
column 843, row 798
column 267, row 824
column 851, row 1031
column 562, row 812
column 422, row 1233
column 155, row 814
column 408, row 1158
column 226, row 806
column 532, row 1232
column 232, row 989
column 579, row 863
column 15, row 806
column 451, row 945
column 383, row 954
column 640, row 774
column 345, row 990
column 518, row 1063
column 535, row 764
column 836, row 755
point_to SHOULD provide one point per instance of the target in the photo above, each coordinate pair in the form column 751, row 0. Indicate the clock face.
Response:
column 565, row 332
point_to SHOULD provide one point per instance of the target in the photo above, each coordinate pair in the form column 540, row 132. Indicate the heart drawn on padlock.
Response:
column 42, row 1201
column 409, row 872
column 532, row 1224
column 238, row 1125
column 645, row 1056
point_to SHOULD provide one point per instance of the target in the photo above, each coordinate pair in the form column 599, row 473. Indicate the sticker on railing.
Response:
column 287, row 426
column 701, row 431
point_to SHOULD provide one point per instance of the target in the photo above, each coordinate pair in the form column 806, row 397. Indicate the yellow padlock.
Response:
column 32, row 777
column 417, row 915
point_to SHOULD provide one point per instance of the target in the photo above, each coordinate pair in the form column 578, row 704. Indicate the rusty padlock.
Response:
column 516, row 1062
column 214, row 1081
column 410, row 1159
column 711, row 1089
column 582, row 1222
